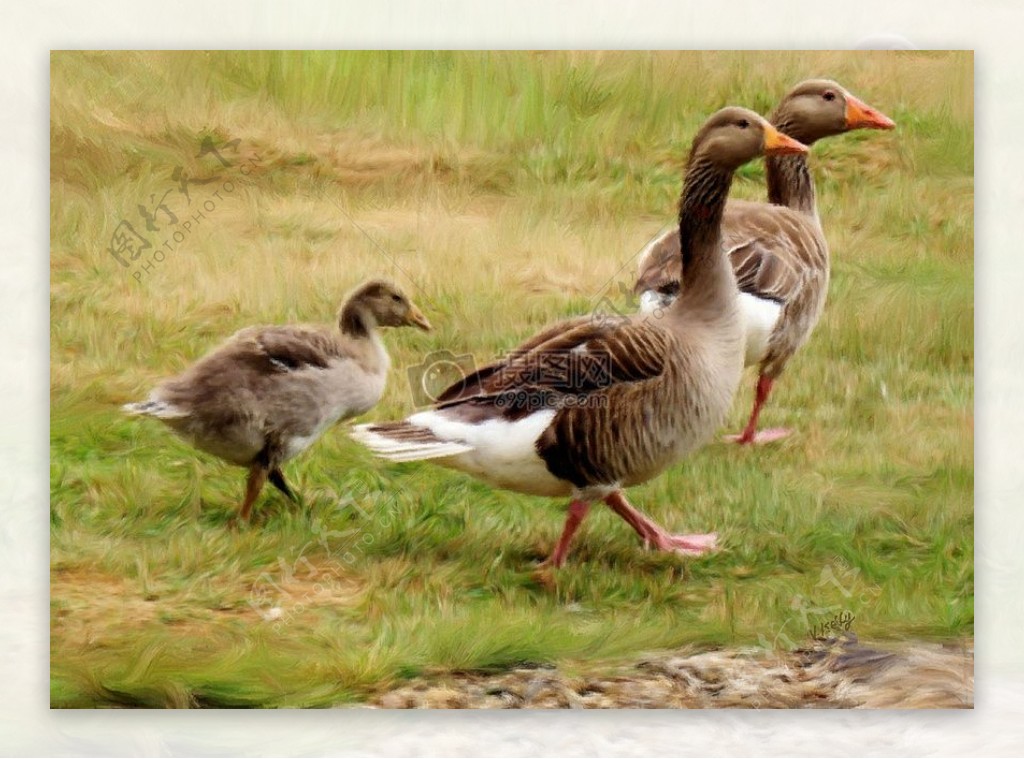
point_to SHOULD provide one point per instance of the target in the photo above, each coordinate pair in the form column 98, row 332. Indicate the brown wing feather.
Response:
column 473, row 384
column 577, row 360
column 762, row 273
column 775, row 252
column 287, row 348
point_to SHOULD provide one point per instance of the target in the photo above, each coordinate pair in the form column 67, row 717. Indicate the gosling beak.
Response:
column 776, row 143
column 416, row 318
column 860, row 115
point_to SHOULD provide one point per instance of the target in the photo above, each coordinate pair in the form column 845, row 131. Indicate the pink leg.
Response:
column 750, row 433
column 577, row 512
column 654, row 535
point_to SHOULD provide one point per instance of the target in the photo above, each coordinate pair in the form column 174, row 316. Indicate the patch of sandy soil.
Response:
column 88, row 604
column 84, row 601
column 837, row 673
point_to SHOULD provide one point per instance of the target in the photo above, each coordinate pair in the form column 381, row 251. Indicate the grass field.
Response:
column 504, row 191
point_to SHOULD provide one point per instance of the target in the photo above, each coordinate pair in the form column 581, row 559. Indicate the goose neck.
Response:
column 356, row 321
column 705, row 190
column 789, row 176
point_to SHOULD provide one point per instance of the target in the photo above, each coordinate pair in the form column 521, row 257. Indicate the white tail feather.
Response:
column 400, row 450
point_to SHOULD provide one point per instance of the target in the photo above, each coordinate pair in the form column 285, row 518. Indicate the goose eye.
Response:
column 829, row 96
column 743, row 123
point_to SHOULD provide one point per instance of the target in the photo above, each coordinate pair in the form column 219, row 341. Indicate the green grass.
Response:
column 507, row 190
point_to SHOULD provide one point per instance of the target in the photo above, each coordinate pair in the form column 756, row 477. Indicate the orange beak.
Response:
column 416, row 318
column 860, row 115
column 776, row 143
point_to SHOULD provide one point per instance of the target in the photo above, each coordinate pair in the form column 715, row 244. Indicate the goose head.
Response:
column 386, row 305
column 820, row 108
column 733, row 136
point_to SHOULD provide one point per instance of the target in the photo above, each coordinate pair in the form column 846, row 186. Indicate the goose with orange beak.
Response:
column 777, row 250
column 589, row 407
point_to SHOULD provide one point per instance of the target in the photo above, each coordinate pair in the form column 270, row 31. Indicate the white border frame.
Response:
column 990, row 27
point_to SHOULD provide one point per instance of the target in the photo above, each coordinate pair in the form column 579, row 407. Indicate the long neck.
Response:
column 706, row 272
column 789, row 177
column 358, row 323
column 355, row 320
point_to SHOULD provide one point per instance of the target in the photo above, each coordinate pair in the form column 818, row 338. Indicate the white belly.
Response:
column 760, row 317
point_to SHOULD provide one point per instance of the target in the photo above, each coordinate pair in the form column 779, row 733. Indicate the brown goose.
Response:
column 588, row 408
column 268, row 393
column 777, row 250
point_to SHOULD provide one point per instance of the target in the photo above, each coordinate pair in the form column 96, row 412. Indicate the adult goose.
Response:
column 777, row 249
column 589, row 407
column 267, row 393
